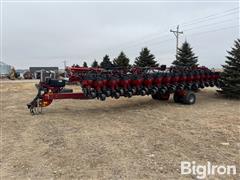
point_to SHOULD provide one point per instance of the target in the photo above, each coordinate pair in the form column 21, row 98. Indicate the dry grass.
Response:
column 136, row 138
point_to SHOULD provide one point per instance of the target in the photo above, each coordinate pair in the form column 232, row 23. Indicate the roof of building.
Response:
column 3, row 64
column 33, row 69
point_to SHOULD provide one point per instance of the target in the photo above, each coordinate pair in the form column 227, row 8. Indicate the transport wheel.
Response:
column 189, row 98
column 177, row 98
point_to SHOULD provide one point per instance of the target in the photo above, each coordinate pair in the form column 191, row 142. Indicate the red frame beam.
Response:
column 51, row 96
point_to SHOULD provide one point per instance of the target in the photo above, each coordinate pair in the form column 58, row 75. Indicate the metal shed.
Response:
column 36, row 71
column 5, row 69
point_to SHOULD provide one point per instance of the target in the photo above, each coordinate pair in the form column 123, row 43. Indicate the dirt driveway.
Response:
column 136, row 138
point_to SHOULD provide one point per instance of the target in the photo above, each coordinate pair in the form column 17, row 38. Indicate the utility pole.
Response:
column 176, row 33
column 65, row 64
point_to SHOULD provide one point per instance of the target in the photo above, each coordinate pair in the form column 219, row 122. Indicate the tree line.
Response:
column 145, row 59
column 185, row 58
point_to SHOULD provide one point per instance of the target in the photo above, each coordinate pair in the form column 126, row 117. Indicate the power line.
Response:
column 209, row 19
column 202, row 26
column 206, row 25
column 209, row 16
column 211, row 31
column 158, row 42
column 204, row 32
column 158, row 36
column 215, row 30
column 196, row 33
column 155, row 36
column 193, row 34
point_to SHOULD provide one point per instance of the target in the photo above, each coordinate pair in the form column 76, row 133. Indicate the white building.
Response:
column 5, row 69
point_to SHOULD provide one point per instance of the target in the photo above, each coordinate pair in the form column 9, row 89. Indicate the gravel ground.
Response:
column 135, row 138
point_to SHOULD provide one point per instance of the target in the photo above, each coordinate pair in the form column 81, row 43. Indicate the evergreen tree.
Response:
column 121, row 60
column 231, row 72
column 185, row 56
column 146, row 59
column 95, row 63
column 85, row 64
column 106, row 63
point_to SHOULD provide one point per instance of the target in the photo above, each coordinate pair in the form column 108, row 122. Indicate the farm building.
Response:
column 36, row 71
column 5, row 69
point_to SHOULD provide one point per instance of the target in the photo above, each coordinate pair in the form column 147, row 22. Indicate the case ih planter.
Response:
column 97, row 83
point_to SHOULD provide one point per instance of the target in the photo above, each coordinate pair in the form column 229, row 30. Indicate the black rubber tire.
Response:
column 129, row 94
column 195, row 87
column 134, row 91
column 172, row 89
column 121, row 92
column 201, row 85
column 180, row 87
column 189, row 98
column 162, row 90
column 188, row 87
column 154, row 91
column 108, row 93
column 177, row 98
column 217, row 84
column 117, row 95
column 143, row 92
column 102, row 97
column 93, row 94
column 211, row 84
